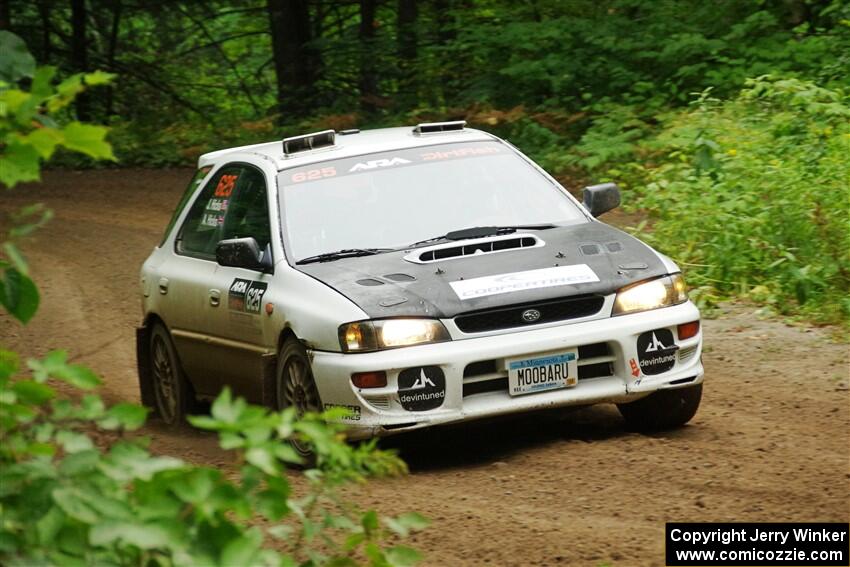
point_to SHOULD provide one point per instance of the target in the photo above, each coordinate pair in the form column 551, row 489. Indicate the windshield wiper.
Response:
column 482, row 231
column 344, row 253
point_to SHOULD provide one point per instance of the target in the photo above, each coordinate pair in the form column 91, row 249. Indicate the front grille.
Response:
column 494, row 385
column 594, row 361
column 511, row 317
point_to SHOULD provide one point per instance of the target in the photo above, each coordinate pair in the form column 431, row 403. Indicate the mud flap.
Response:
column 143, row 366
column 269, row 386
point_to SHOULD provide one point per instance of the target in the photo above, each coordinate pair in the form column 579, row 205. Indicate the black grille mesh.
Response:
column 510, row 317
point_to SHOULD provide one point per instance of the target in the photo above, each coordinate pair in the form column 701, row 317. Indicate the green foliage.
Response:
column 751, row 196
column 198, row 76
column 75, row 489
column 71, row 494
column 28, row 135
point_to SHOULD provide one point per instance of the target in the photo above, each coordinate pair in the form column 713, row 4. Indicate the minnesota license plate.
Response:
column 551, row 372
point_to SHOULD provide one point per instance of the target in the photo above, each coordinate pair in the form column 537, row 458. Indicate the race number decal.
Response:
column 225, row 185
column 245, row 295
column 313, row 174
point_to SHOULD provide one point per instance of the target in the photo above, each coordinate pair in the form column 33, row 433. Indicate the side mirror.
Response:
column 243, row 253
column 602, row 198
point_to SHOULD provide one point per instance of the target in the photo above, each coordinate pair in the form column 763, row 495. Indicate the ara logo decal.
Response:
column 422, row 388
column 245, row 295
column 376, row 163
column 656, row 351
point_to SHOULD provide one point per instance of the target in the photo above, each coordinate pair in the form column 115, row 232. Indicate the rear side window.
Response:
column 202, row 229
column 197, row 179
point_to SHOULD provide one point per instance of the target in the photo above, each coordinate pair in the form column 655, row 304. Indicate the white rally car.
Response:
column 415, row 276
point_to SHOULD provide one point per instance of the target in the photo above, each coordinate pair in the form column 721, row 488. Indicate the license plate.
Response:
column 551, row 372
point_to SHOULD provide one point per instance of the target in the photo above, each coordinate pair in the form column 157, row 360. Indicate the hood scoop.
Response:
column 474, row 247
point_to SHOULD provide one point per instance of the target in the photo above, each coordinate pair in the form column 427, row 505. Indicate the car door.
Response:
column 186, row 278
column 240, row 326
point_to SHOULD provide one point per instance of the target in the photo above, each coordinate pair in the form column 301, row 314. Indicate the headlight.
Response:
column 363, row 336
column 652, row 294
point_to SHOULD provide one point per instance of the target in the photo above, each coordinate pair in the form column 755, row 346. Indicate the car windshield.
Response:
column 392, row 199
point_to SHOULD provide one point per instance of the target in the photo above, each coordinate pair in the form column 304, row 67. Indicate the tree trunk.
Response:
column 368, row 75
column 406, row 41
column 296, row 64
column 79, row 53
column 46, row 46
column 5, row 15
column 112, row 49
column 444, row 18
column 407, row 13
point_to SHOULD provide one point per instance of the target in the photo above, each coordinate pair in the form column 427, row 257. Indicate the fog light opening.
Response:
column 688, row 330
column 365, row 380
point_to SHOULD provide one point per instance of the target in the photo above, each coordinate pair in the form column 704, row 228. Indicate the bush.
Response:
column 751, row 197
column 71, row 494
column 65, row 501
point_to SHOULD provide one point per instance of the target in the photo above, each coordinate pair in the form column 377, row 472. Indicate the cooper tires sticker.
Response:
column 521, row 281
column 421, row 388
column 656, row 351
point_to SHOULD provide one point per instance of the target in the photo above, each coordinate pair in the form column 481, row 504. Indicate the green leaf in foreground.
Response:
column 88, row 139
column 19, row 295
column 18, row 162
column 124, row 416
column 55, row 365
column 405, row 523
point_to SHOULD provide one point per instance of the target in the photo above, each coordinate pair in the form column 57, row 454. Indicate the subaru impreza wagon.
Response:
column 414, row 276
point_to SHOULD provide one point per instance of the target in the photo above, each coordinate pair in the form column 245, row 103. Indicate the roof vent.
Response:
column 474, row 247
column 308, row 142
column 435, row 127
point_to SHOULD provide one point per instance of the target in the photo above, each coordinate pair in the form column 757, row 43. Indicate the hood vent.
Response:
column 400, row 277
column 474, row 247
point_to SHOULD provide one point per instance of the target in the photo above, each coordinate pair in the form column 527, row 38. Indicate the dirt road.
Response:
column 770, row 443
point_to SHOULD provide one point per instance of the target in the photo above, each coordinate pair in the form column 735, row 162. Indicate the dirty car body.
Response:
column 431, row 275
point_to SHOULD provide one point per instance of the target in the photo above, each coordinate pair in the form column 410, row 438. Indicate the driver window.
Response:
column 248, row 211
column 202, row 228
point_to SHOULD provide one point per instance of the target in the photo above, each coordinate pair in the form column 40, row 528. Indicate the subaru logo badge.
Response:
column 530, row 315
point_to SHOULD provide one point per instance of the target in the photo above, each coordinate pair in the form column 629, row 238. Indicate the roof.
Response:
column 349, row 145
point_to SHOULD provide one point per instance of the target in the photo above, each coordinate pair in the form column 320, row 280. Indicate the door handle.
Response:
column 163, row 285
column 215, row 297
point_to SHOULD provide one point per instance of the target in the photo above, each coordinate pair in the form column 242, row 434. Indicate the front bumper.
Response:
column 379, row 411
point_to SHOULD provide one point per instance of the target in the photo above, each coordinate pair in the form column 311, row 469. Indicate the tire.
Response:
column 173, row 395
column 664, row 409
column 296, row 388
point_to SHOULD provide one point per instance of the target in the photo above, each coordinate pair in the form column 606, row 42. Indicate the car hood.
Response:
column 588, row 258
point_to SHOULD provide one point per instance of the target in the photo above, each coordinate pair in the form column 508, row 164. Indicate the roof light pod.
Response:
column 307, row 142
column 435, row 127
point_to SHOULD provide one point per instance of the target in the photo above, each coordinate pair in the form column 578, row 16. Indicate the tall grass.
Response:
column 752, row 196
